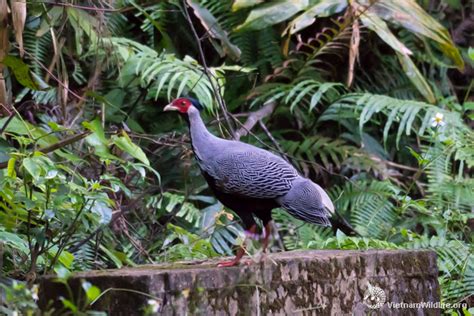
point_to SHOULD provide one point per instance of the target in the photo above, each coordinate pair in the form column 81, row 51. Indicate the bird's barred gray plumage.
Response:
column 242, row 170
column 305, row 201
column 254, row 173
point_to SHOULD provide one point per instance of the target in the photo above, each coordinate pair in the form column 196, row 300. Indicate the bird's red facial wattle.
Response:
column 181, row 105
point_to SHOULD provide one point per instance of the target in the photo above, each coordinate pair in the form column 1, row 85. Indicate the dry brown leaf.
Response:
column 353, row 51
column 3, row 29
column 3, row 53
column 19, row 18
column 3, row 97
column 3, row 12
column 3, row 43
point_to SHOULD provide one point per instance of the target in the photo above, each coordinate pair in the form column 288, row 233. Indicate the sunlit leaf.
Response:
column 323, row 8
column 125, row 143
column 470, row 52
column 62, row 273
column 33, row 167
column 242, row 4
column 21, row 71
column 272, row 13
column 92, row 291
column 376, row 24
column 410, row 15
column 214, row 29
column 11, row 168
column 68, row 304
column 416, row 77
column 14, row 241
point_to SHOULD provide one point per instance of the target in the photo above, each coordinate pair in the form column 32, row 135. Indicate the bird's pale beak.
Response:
column 170, row 107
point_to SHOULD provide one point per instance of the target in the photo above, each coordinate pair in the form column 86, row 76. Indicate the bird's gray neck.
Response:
column 200, row 136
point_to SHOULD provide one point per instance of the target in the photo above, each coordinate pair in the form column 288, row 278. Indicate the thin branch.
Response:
column 274, row 141
column 216, row 90
column 55, row 146
column 70, row 5
column 52, row 75
column 127, row 208
column 11, row 116
column 254, row 118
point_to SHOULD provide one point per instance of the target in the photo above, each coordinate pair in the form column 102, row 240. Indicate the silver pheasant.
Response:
column 249, row 180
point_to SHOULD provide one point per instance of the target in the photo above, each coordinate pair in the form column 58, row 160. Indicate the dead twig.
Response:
column 58, row 145
column 254, row 118
column 274, row 141
column 217, row 93
column 70, row 5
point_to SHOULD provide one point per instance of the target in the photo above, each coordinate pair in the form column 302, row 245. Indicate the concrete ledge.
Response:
column 288, row 283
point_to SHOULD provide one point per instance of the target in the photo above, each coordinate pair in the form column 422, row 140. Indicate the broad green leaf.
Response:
column 14, row 241
column 323, row 8
column 33, row 167
column 98, row 140
column 11, row 168
column 111, row 254
column 470, row 52
column 103, row 210
column 410, row 15
column 92, row 291
column 21, row 71
column 242, row 4
column 468, row 106
column 125, row 143
column 20, row 127
column 416, row 77
column 68, row 304
column 272, row 13
column 214, row 29
column 62, row 273
column 5, row 150
column 82, row 22
column 65, row 257
column 54, row 16
column 377, row 25
column 95, row 126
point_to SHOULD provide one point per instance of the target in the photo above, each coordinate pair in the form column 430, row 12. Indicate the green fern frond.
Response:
column 331, row 41
column 407, row 114
column 370, row 206
column 40, row 48
column 306, row 92
column 169, row 202
column 165, row 74
column 386, row 78
column 298, row 234
column 316, row 149
column 455, row 261
column 445, row 189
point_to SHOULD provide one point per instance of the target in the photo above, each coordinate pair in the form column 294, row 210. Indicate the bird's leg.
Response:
column 266, row 237
column 240, row 253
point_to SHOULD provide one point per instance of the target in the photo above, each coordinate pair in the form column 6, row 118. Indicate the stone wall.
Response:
column 288, row 283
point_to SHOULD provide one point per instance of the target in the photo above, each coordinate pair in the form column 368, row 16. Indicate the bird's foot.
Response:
column 252, row 235
column 232, row 263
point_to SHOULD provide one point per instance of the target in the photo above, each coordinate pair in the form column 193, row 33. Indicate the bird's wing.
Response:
column 252, row 173
column 308, row 201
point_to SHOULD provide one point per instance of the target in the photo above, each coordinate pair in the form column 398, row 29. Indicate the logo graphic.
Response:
column 374, row 297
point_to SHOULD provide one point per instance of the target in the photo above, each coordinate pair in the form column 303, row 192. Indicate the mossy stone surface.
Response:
column 288, row 283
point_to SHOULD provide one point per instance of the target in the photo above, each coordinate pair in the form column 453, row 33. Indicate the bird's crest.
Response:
column 196, row 103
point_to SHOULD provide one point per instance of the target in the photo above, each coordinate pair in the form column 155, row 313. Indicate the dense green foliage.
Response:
column 373, row 101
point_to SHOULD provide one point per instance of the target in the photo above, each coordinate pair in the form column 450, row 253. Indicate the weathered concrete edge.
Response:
column 280, row 257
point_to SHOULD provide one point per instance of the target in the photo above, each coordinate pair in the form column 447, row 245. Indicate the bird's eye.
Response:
column 183, row 102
